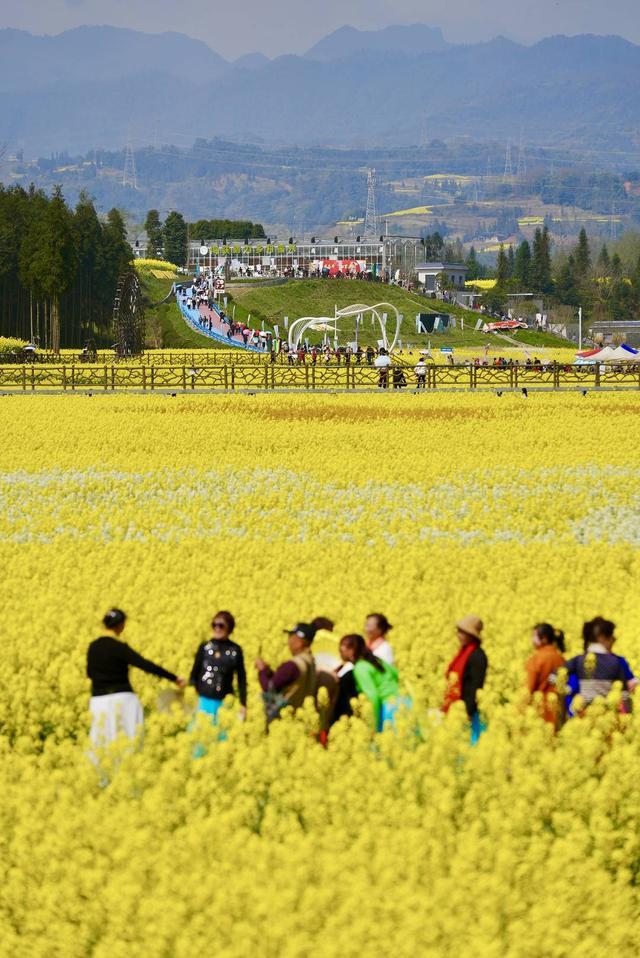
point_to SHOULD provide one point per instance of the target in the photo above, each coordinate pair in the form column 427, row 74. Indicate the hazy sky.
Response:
column 292, row 26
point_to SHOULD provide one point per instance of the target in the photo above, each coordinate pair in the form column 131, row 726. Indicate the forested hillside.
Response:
column 59, row 268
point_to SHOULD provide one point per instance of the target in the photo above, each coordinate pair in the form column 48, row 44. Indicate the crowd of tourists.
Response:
column 200, row 299
column 349, row 666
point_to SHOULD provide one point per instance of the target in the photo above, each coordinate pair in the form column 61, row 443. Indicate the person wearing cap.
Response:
column 467, row 671
column 295, row 679
column 114, row 706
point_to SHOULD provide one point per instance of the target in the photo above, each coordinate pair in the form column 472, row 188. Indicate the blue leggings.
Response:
column 477, row 727
column 389, row 710
column 209, row 707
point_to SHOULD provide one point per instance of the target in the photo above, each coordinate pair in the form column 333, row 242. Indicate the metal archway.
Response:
column 298, row 327
column 128, row 316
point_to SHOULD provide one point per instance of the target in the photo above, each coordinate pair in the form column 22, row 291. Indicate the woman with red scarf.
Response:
column 467, row 671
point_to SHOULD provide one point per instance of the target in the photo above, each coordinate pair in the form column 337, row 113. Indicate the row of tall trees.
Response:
column 528, row 267
column 169, row 239
column 59, row 268
column 606, row 285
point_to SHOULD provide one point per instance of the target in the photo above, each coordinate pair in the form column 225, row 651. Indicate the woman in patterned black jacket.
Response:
column 217, row 663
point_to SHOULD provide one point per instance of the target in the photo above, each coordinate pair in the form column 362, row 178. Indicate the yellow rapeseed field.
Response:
column 282, row 508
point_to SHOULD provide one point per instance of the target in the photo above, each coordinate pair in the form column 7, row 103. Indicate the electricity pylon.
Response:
column 371, row 216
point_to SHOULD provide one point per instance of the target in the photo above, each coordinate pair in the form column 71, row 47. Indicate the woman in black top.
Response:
column 114, row 706
column 216, row 664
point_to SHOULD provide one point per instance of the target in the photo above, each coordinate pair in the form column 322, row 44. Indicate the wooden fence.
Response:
column 223, row 377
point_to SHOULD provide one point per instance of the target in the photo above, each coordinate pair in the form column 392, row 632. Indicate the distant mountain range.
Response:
column 98, row 87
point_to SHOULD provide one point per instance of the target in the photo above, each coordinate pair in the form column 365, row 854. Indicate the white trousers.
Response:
column 112, row 715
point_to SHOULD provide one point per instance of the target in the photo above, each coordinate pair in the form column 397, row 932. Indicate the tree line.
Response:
column 605, row 284
column 169, row 240
column 59, row 268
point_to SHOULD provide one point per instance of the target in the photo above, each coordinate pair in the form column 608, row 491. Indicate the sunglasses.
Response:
column 219, row 625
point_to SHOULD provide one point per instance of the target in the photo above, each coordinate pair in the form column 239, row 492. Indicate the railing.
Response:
column 228, row 377
column 199, row 357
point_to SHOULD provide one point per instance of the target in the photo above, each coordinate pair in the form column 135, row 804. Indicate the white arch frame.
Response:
column 298, row 327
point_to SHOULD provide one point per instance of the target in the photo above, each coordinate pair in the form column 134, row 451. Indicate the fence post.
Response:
column 153, row 376
column 556, row 376
column 184, row 378
column 106, row 378
column 144, row 378
column 113, row 378
column 226, row 376
column 472, row 378
column 597, row 383
column 64, row 377
column 273, row 375
column 306, row 376
column 266, row 377
column 24, row 378
column 73, row 378
column 233, row 377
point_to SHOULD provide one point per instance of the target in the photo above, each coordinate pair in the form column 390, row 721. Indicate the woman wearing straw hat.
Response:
column 467, row 671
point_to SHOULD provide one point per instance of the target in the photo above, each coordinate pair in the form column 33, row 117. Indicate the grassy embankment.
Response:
column 260, row 303
column 320, row 297
column 164, row 323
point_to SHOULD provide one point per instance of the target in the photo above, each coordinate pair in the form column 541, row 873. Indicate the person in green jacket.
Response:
column 374, row 678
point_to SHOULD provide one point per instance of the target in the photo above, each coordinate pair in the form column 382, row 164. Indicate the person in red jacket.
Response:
column 467, row 671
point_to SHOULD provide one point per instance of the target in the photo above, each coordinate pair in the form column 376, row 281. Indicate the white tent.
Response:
column 609, row 354
column 626, row 354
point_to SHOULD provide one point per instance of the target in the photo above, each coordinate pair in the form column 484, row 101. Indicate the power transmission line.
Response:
column 613, row 227
column 423, row 132
column 129, row 177
column 521, row 170
column 508, row 165
column 371, row 216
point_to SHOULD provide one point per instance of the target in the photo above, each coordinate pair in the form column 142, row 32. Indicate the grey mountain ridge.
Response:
column 347, row 41
column 96, row 87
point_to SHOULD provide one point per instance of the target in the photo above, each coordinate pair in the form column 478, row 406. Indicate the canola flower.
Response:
column 147, row 263
column 280, row 508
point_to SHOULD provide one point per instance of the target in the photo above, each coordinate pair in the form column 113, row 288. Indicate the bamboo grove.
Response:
column 59, row 268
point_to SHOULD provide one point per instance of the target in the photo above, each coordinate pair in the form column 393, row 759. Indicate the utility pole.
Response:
column 423, row 132
column 508, row 165
column 579, row 328
column 371, row 216
column 129, row 177
column 522, row 159
column 612, row 222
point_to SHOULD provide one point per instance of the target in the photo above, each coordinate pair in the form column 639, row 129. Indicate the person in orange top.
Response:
column 542, row 668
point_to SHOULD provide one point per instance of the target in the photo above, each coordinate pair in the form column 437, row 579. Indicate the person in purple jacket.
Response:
column 593, row 674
